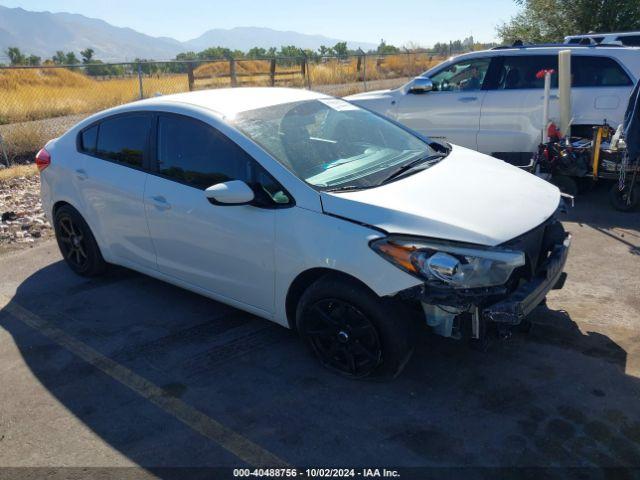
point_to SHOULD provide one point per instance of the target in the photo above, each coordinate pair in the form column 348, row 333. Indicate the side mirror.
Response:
column 421, row 85
column 233, row 192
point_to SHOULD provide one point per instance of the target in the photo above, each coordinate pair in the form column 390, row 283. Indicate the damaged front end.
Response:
column 468, row 287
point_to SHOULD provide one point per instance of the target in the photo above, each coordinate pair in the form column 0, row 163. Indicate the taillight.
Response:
column 43, row 159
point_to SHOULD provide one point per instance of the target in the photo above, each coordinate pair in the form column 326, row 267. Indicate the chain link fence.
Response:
column 39, row 103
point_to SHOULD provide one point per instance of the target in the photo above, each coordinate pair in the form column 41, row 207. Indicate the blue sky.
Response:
column 421, row 21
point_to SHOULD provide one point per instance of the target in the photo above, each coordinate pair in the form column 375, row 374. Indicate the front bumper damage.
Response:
column 452, row 312
column 513, row 309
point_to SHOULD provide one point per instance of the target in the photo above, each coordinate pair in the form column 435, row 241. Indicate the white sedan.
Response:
column 308, row 211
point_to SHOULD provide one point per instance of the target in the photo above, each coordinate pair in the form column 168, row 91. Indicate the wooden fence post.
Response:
column 190, row 76
column 272, row 72
column 305, row 71
column 140, row 81
column 232, row 72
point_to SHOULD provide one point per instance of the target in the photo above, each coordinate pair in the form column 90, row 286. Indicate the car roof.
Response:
column 613, row 50
column 604, row 34
column 231, row 101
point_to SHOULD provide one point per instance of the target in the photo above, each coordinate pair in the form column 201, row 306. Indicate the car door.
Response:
column 112, row 180
column 451, row 111
column 600, row 90
column 511, row 117
column 227, row 250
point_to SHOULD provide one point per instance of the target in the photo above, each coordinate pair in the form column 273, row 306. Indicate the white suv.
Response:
column 491, row 101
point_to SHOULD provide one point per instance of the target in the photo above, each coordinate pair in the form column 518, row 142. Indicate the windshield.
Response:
column 331, row 143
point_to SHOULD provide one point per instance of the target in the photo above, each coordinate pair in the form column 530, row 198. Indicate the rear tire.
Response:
column 76, row 242
column 620, row 199
column 354, row 332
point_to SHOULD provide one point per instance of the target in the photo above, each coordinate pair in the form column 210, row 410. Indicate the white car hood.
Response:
column 467, row 197
column 373, row 95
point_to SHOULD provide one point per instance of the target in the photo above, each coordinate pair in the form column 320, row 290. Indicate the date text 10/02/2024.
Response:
column 316, row 472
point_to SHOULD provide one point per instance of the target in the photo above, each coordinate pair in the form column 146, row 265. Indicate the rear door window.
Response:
column 522, row 72
column 124, row 139
column 591, row 71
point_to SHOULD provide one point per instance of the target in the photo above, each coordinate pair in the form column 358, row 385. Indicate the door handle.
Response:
column 160, row 202
column 467, row 99
column 81, row 174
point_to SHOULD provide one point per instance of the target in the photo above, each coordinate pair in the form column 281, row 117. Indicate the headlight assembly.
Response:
column 456, row 265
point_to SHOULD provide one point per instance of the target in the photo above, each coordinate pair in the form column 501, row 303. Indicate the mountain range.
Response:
column 43, row 33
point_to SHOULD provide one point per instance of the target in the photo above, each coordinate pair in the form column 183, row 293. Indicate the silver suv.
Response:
column 491, row 100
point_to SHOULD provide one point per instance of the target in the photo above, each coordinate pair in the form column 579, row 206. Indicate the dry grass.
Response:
column 43, row 93
column 21, row 141
column 336, row 71
column 33, row 94
column 18, row 171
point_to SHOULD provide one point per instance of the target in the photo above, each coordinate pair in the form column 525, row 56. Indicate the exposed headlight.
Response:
column 456, row 265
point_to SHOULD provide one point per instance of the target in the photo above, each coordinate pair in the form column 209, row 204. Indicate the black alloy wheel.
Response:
column 72, row 242
column 343, row 337
column 76, row 242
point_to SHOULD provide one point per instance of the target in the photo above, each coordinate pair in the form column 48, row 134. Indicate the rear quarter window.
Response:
column 588, row 71
column 88, row 140
column 124, row 139
column 630, row 40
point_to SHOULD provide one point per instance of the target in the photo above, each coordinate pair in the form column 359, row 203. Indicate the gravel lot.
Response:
column 22, row 221
column 127, row 371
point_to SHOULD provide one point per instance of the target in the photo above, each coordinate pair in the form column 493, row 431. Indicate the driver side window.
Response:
column 194, row 153
column 465, row 75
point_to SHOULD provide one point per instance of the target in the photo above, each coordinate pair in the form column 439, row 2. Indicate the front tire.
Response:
column 352, row 331
column 566, row 184
column 76, row 242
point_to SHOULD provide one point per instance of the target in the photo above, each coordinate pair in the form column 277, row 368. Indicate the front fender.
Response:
column 323, row 241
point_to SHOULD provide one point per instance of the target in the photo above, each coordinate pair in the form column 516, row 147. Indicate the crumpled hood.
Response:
column 467, row 197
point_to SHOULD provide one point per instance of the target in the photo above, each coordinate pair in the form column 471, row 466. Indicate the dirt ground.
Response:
column 126, row 371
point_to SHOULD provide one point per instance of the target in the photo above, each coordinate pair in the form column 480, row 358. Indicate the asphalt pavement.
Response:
column 127, row 371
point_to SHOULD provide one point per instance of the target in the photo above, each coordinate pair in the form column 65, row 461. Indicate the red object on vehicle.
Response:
column 553, row 132
column 43, row 159
column 542, row 73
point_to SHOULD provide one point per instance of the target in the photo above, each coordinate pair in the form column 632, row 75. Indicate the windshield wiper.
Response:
column 423, row 162
column 348, row 188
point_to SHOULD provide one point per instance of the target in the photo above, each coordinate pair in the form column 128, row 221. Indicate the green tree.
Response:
column 71, row 59
column 33, row 60
column 186, row 56
column 256, row 52
column 289, row 51
column 219, row 52
column 146, row 67
column 16, row 57
column 87, row 55
column 543, row 21
column 325, row 51
column 59, row 58
column 341, row 49
column 97, row 69
column 383, row 48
